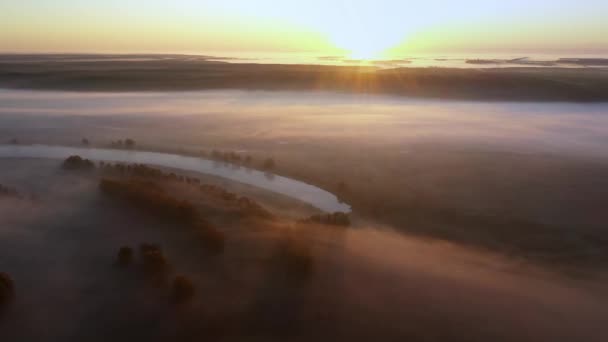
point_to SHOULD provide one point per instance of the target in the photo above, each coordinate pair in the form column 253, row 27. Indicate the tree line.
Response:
column 245, row 204
column 78, row 163
column 332, row 219
column 151, row 199
column 156, row 267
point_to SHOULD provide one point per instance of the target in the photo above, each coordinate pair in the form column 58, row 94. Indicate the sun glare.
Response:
column 368, row 50
column 366, row 43
column 365, row 48
column 365, row 53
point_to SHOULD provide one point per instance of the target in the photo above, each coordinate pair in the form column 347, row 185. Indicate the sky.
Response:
column 359, row 28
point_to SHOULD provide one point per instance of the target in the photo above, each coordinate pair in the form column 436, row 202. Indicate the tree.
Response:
column 77, row 163
column 333, row 219
column 85, row 141
column 129, row 143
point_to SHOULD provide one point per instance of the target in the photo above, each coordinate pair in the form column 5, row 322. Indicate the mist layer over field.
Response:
column 519, row 168
column 367, row 282
column 284, row 117
column 472, row 221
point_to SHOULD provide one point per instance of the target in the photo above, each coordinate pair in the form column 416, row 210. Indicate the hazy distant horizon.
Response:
column 451, row 60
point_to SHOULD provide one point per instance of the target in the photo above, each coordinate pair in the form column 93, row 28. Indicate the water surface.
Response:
column 317, row 197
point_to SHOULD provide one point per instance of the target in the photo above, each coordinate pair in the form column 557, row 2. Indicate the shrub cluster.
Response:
column 252, row 208
column 127, row 143
column 78, row 163
column 135, row 170
column 230, row 157
column 217, row 192
column 144, row 171
column 332, row 219
column 151, row 198
column 247, row 205
column 155, row 265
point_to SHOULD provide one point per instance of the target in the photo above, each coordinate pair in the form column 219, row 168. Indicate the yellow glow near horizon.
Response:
column 364, row 29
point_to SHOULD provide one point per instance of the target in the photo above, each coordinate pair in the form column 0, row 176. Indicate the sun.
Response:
column 371, row 44
column 364, row 53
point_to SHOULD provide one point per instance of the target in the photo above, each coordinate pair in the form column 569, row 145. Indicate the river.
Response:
column 304, row 192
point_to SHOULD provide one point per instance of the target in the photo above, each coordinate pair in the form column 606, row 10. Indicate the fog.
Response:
column 519, row 127
column 368, row 282
column 472, row 221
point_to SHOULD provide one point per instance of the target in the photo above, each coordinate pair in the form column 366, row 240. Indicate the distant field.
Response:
column 177, row 73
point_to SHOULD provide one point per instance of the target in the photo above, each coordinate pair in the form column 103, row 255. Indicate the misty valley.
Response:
column 214, row 215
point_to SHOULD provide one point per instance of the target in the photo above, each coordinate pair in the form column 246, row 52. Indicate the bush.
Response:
column 77, row 163
column 7, row 288
column 252, row 208
column 150, row 197
column 182, row 289
column 333, row 219
column 125, row 256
